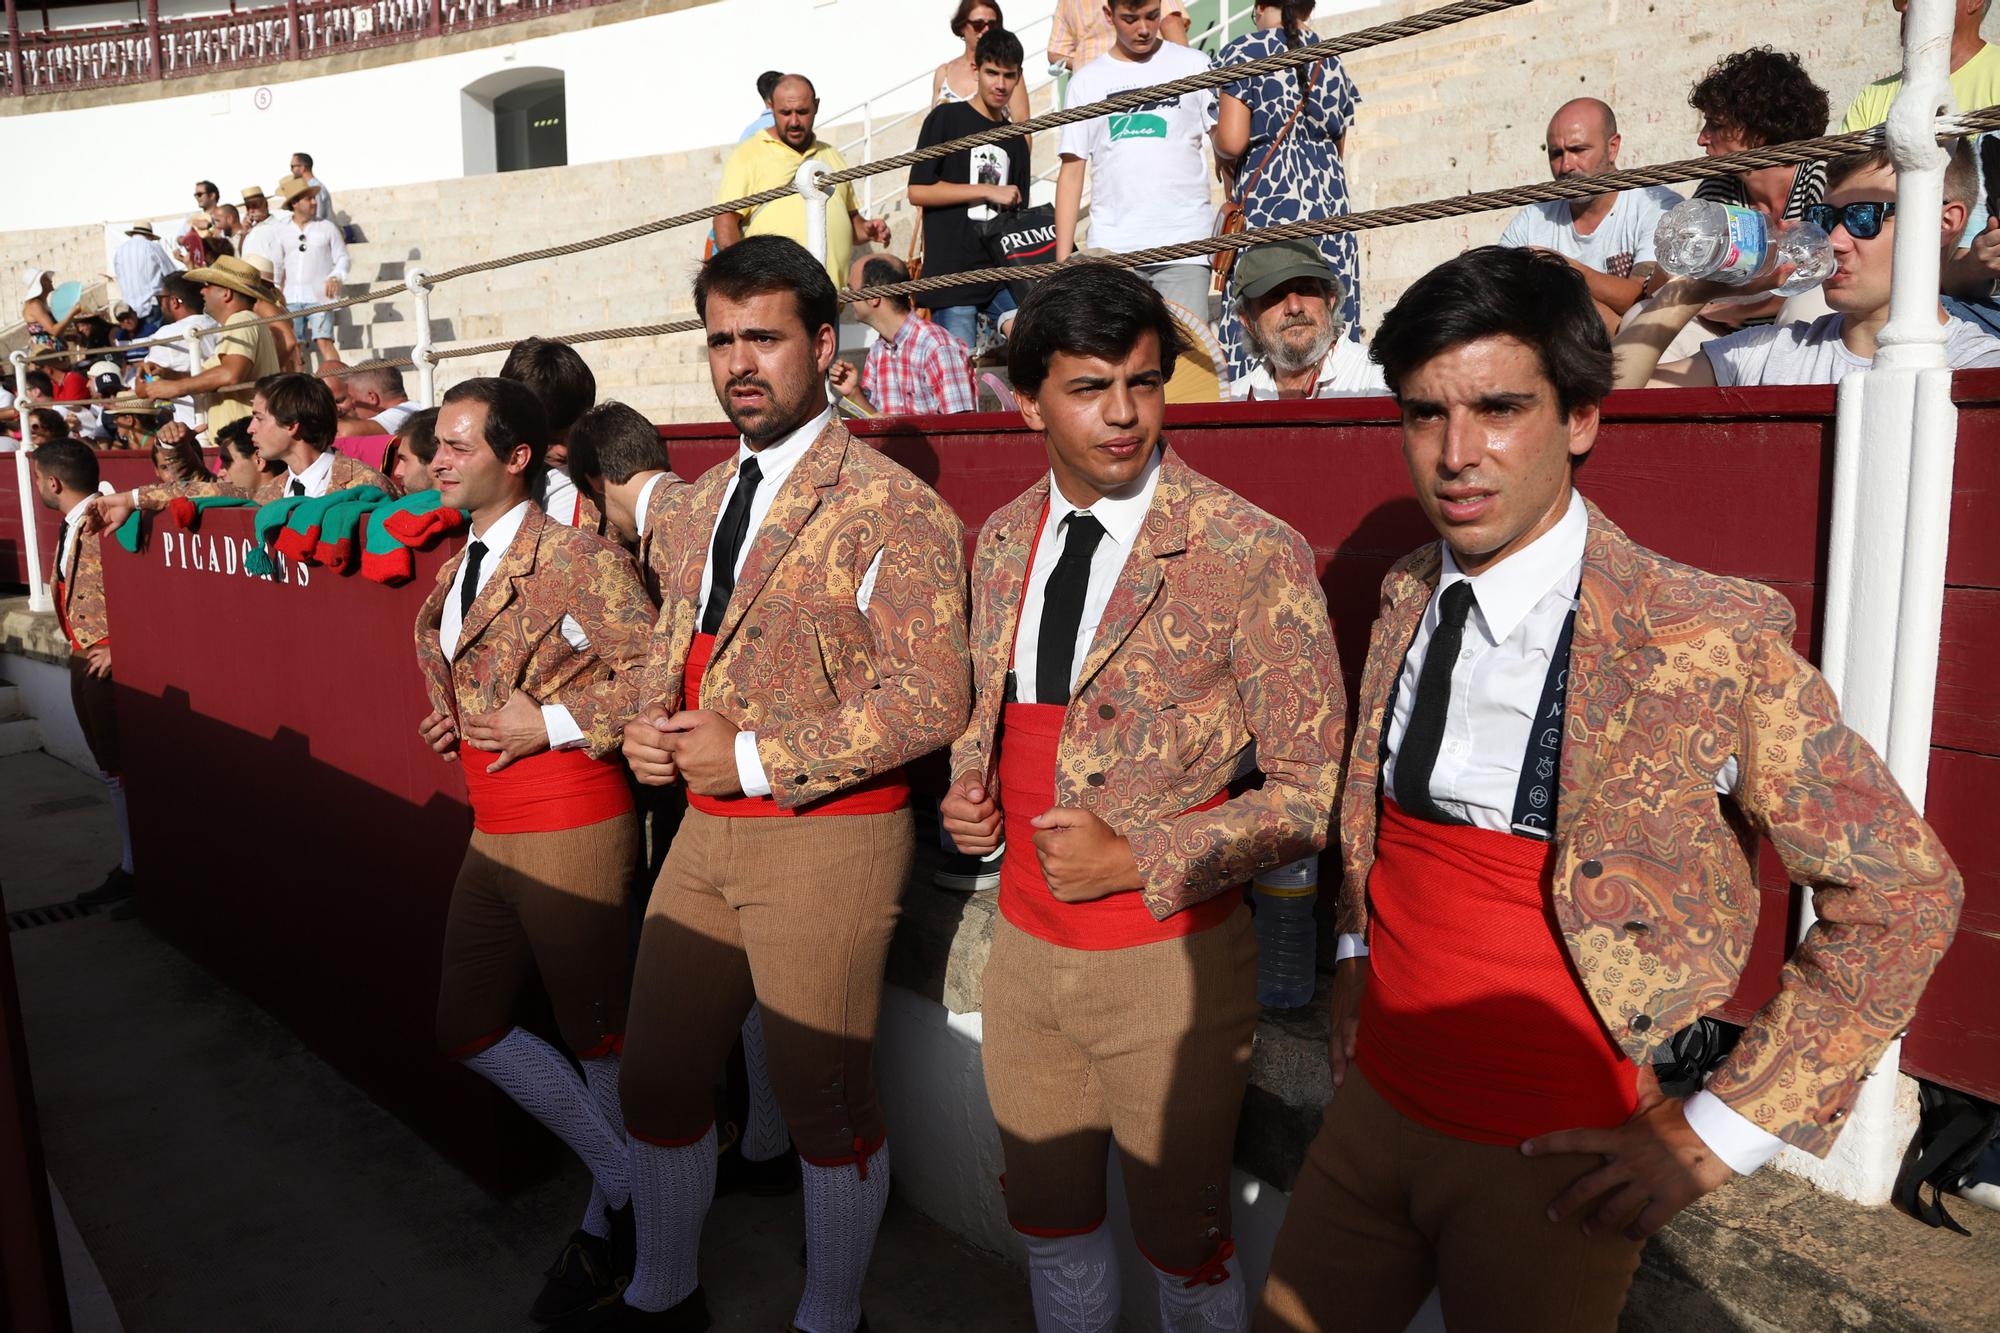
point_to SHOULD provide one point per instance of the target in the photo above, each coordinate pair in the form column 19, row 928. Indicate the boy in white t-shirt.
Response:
column 1858, row 213
column 1149, row 182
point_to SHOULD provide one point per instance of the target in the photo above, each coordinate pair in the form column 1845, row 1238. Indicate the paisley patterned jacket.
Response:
column 650, row 551
column 835, row 695
column 79, row 590
column 512, row 639
column 1215, row 638
column 1672, row 671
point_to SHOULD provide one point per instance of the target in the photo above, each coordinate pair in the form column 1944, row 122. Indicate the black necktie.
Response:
column 468, row 590
column 1062, row 609
column 1419, row 752
column 728, row 544
column 298, row 487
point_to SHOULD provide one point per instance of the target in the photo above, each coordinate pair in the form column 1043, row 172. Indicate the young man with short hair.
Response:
column 562, row 379
column 812, row 639
column 914, row 367
column 619, row 454
column 1288, row 301
column 1138, row 632
column 1148, row 178
column 532, row 646
column 376, row 399
column 1532, row 909
column 971, row 186
column 1858, row 213
column 411, row 452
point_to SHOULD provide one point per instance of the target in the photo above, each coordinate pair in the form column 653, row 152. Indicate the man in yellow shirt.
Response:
column 770, row 158
column 1971, row 270
column 242, row 356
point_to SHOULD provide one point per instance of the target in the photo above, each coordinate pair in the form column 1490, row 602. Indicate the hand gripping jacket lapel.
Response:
column 835, row 695
column 1673, row 671
column 512, row 638
column 1202, row 649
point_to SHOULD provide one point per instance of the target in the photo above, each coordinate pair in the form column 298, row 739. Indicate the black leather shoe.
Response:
column 580, row 1278
column 734, row 1174
column 690, row 1316
column 116, row 888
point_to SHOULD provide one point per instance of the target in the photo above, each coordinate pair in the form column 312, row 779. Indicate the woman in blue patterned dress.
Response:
column 1303, row 178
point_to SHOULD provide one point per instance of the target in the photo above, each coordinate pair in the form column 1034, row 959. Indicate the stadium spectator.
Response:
column 1082, row 32
column 229, row 225
column 1288, row 303
column 971, row 186
column 244, row 472
column 206, row 197
column 619, row 455
column 46, row 424
column 773, row 158
column 914, row 367
column 767, row 83
column 1608, row 238
column 188, row 245
column 562, row 380
column 176, row 461
column 1859, row 214
column 260, row 235
column 311, row 264
column 410, row 453
column 181, row 306
column 125, row 329
column 1148, row 181
column 243, row 350
column 376, row 397
column 294, row 423
column 140, row 265
column 1283, row 138
column 134, row 423
column 302, row 167
column 44, row 329
column 957, row 79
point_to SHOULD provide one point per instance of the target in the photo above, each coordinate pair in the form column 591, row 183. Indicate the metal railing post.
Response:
column 806, row 182
column 867, row 155
column 1895, row 438
column 418, row 281
column 31, row 537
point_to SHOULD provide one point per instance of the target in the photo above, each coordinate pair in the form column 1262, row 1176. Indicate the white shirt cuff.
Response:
column 1350, row 946
column 564, row 734
column 1740, row 1144
column 750, row 773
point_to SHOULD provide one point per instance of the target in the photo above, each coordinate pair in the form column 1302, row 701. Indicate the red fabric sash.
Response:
column 1474, row 1022
column 879, row 795
column 1027, row 777
column 544, row 793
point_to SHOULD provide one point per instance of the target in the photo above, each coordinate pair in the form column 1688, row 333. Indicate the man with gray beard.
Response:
column 1289, row 302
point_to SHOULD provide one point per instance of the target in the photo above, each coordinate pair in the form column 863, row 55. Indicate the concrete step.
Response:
column 20, row 736
column 11, row 708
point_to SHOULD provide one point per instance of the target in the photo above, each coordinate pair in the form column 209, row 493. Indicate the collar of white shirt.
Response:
column 1260, row 383
column 1509, row 590
column 499, row 534
column 1122, row 512
column 776, row 461
column 645, row 502
column 315, row 477
column 72, row 522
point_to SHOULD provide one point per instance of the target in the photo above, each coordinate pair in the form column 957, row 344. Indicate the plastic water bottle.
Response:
column 1703, row 239
column 1286, row 934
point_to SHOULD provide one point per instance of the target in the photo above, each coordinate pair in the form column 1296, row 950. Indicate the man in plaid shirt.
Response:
column 915, row 366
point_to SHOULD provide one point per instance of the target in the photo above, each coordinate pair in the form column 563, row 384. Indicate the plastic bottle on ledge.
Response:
column 1701, row 238
column 1286, row 934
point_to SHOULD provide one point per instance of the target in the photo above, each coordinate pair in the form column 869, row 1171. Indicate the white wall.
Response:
column 650, row 85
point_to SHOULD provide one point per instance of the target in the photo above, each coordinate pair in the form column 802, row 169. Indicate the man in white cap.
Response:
column 139, row 264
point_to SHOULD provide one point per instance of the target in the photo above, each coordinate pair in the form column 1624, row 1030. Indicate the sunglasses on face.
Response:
column 1863, row 220
column 981, row 25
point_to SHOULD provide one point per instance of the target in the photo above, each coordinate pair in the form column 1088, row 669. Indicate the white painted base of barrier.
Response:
column 45, row 697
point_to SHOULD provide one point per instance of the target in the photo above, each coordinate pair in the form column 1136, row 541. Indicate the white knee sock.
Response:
column 764, row 1132
column 124, row 819
column 1203, row 1307
column 600, row 1079
column 843, row 1209
column 542, row 1083
column 1073, row 1282
column 671, row 1191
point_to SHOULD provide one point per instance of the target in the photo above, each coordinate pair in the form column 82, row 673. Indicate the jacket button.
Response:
column 1637, row 927
column 1591, row 869
column 799, row 781
column 1095, row 779
column 1106, row 711
column 754, row 632
column 1640, row 1022
column 1836, row 1115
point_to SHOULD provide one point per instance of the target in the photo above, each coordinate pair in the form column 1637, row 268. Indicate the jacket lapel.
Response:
column 1610, row 627
column 430, row 646
column 517, row 562
column 1003, row 579
column 817, row 471
column 1163, row 536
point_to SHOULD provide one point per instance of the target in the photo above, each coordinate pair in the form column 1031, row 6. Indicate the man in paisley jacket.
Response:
column 532, row 647
column 811, row 641
column 1566, row 749
column 1138, row 633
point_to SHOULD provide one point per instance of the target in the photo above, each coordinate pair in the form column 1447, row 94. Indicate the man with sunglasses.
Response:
column 310, row 263
column 1858, row 213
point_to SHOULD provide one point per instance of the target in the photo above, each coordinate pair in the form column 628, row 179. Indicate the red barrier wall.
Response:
column 295, row 834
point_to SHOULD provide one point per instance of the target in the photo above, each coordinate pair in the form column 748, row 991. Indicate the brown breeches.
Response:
column 91, row 697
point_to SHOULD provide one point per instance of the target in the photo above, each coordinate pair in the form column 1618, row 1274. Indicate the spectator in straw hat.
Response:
column 311, row 263
column 133, row 423
column 139, row 264
column 244, row 350
column 260, row 228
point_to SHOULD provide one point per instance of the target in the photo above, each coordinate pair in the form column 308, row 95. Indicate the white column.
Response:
column 24, row 481
column 418, row 281
column 806, row 182
column 1884, row 595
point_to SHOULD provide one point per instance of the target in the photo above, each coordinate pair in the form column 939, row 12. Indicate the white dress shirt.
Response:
column 559, row 496
column 302, row 273
column 645, row 503
column 72, row 526
column 1344, row 372
column 563, row 732
column 774, row 464
column 263, row 239
column 174, row 356
column 1123, row 516
column 1519, row 606
column 140, row 266
column 316, row 477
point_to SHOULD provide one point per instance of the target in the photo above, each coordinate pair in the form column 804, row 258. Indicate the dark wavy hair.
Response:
column 1765, row 93
column 1087, row 309
column 964, row 12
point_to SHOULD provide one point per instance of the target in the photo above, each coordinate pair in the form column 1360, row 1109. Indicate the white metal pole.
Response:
column 31, row 539
column 1895, row 439
column 418, row 281
column 867, row 155
column 806, row 182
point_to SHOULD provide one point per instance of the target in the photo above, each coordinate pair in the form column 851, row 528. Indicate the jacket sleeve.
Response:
column 971, row 759
column 923, row 692
column 616, row 615
column 1287, row 674
column 1886, row 894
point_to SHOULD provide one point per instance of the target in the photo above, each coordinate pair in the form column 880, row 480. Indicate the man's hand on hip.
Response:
column 515, row 730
